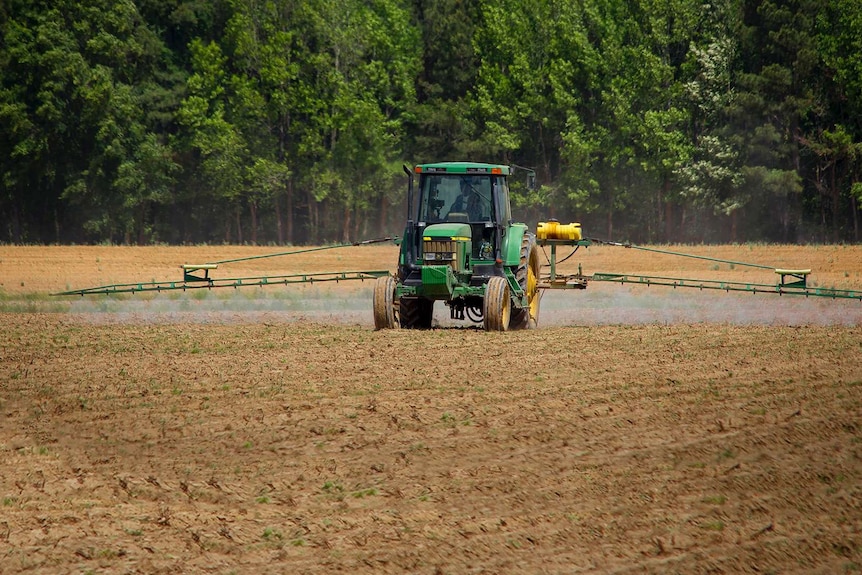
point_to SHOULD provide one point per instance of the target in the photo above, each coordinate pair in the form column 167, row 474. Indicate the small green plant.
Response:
column 273, row 535
column 364, row 493
column 715, row 499
column 713, row 525
column 726, row 454
column 263, row 499
column 333, row 487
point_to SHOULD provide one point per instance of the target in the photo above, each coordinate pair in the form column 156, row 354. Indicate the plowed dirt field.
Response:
column 638, row 430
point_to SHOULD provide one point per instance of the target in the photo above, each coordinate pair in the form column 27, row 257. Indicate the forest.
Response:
column 288, row 121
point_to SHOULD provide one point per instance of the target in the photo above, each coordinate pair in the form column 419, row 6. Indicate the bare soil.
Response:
column 639, row 430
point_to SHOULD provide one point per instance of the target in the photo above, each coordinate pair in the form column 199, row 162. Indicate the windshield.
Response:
column 456, row 198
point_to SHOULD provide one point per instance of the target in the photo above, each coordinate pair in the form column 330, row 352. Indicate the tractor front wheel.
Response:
column 497, row 306
column 385, row 307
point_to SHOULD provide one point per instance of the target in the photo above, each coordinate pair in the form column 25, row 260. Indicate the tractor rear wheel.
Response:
column 385, row 306
column 527, row 275
column 416, row 312
column 497, row 306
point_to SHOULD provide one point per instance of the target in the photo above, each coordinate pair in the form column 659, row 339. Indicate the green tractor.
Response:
column 461, row 247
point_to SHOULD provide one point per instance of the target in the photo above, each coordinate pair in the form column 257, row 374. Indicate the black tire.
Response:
column 416, row 312
column 527, row 275
column 385, row 306
column 497, row 306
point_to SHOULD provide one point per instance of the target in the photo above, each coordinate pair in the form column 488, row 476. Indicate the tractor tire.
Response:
column 416, row 312
column 497, row 306
column 527, row 275
column 385, row 306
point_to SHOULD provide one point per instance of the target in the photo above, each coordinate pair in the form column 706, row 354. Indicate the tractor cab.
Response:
column 464, row 202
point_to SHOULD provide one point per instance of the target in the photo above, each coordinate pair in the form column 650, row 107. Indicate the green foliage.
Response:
column 288, row 121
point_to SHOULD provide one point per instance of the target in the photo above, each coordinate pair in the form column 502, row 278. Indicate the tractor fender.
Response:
column 511, row 251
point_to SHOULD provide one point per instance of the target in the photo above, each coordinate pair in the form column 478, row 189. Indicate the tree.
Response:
column 74, row 115
column 837, row 147
column 712, row 179
column 363, row 74
column 220, row 148
column 438, row 123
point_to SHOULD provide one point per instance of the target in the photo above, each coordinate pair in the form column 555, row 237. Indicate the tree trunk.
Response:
column 682, row 227
column 733, row 220
column 141, row 219
column 290, row 211
column 546, row 163
column 836, row 196
column 668, row 212
column 15, row 224
column 279, row 225
column 252, row 206
column 611, row 218
column 312, row 219
column 610, row 225
column 384, row 209
column 855, row 209
column 345, row 230
column 359, row 227
column 238, row 214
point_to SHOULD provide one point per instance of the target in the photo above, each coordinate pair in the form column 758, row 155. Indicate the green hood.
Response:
column 448, row 230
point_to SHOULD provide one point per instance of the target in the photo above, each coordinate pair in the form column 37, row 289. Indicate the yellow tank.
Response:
column 554, row 230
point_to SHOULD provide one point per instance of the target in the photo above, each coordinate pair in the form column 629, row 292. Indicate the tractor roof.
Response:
column 463, row 168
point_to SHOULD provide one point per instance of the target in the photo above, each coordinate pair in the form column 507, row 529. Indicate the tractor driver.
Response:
column 468, row 202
